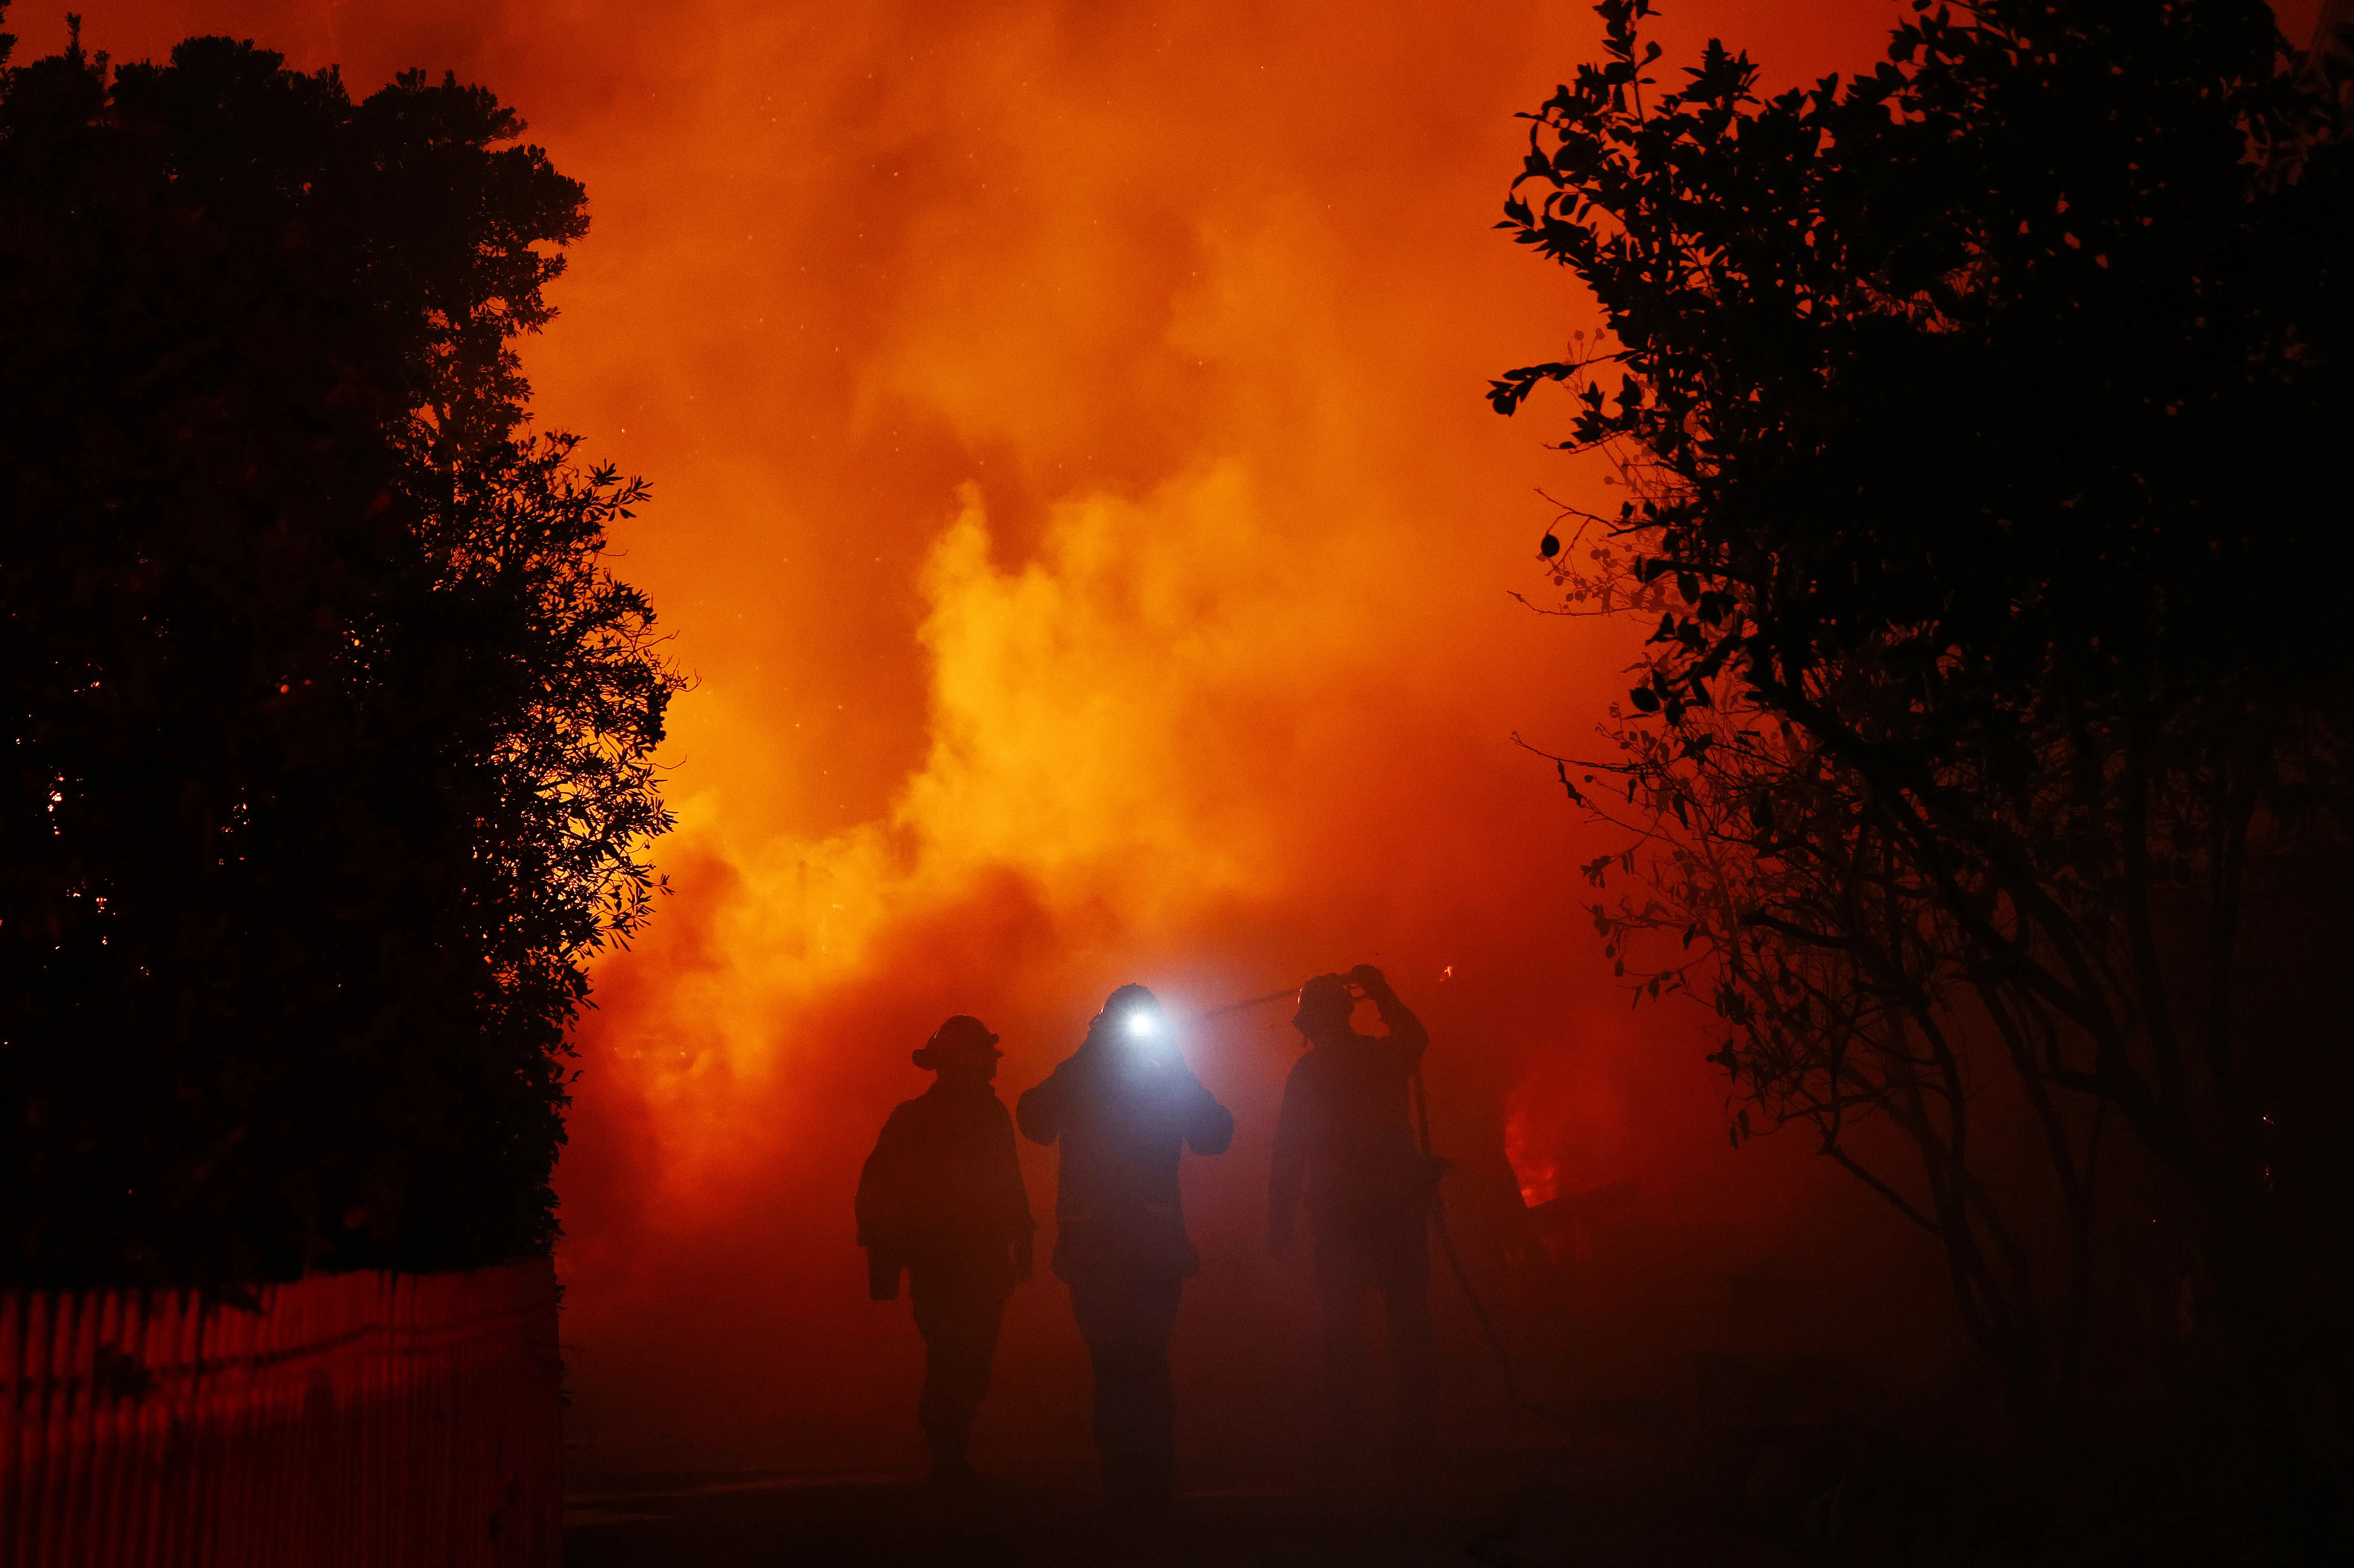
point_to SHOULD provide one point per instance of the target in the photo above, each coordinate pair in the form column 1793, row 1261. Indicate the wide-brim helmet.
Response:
column 1130, row 1012
column 1323, row 999
column 961, row 1039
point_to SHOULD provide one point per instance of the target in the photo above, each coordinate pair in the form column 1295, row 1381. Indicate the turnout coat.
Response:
column 942, row 1191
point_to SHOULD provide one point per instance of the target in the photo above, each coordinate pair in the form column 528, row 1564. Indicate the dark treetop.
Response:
column 327, row 735
column 1984, row 421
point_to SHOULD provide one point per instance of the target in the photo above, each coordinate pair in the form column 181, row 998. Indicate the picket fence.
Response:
column 367, row 1420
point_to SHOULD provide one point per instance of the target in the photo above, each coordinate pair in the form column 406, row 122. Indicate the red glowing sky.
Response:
column 1076, row 508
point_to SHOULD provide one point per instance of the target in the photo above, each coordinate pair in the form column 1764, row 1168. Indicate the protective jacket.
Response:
column 1344, row 1142
column 942, row 1188
column 1123, row 1112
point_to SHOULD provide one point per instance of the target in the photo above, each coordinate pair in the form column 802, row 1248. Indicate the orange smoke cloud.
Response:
column 1075, row 504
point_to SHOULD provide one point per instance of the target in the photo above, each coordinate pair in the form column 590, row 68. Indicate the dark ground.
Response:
column 1549, row 1508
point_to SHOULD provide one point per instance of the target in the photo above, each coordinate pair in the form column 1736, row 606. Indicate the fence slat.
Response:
column 361, row 1420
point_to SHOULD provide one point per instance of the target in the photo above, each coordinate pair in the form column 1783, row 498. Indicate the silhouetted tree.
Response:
column 329, row 731
column 1981, row 419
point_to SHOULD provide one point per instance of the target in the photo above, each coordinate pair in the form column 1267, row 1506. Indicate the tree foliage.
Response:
column 329, row 729
column 1980, row 418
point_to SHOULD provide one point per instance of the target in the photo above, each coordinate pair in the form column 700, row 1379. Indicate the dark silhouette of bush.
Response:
column 328, row 731
column 1983, row 421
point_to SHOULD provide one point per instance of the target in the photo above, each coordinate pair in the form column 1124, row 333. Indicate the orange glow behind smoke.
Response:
column 1075, row 504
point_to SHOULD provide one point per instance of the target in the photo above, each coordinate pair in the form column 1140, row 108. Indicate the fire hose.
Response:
column 1479, row 1313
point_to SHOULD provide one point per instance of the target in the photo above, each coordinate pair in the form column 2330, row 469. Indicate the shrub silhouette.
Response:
column 327, row 757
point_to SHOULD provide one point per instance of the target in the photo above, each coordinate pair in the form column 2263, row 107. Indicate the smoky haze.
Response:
column 1076, row 507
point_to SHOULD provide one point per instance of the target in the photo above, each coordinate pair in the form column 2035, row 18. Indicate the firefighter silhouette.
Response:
column 1344, row 1148
column 1123, row 1108
column 941, row 1198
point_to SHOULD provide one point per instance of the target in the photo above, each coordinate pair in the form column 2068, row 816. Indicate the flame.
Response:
column 1538, row 1176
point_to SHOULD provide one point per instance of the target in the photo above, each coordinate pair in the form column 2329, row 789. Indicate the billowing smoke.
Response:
column 1076, row 506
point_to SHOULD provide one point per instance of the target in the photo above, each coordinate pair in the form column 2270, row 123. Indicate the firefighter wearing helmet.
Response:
column 1123, row 1108
column 1345, row 1152
column 941, row 1200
